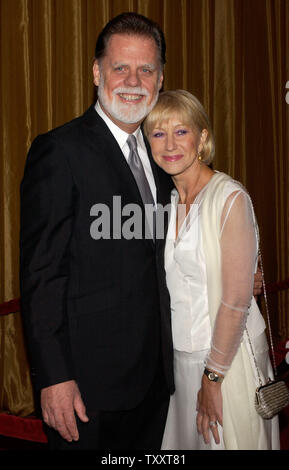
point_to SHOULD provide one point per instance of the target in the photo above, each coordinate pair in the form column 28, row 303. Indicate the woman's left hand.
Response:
column 210, row 409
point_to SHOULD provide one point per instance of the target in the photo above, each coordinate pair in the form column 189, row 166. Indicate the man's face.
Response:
column 128, row 78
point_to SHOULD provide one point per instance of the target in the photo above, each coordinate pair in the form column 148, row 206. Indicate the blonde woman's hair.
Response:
column 189, row 110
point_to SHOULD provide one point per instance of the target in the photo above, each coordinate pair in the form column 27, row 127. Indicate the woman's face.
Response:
column 175, row 146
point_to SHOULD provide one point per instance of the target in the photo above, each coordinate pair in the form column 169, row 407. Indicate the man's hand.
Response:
column 257, row 283
column 58, row 403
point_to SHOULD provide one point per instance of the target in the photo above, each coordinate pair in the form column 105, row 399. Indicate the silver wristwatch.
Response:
column 213, row 376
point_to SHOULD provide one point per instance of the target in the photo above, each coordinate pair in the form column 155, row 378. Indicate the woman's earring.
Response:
column 199, row 156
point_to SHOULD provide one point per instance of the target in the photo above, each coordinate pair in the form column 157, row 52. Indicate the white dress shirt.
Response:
column 121, row 138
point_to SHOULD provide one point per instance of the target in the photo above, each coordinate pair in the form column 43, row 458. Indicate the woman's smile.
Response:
column 172, row 158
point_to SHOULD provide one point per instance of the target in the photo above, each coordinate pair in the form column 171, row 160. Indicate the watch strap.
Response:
column 213, row 376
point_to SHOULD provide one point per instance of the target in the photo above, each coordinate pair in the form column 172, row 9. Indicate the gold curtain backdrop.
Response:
column 232, row 54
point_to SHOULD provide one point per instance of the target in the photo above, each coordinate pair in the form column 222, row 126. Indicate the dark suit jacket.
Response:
column 96, row 311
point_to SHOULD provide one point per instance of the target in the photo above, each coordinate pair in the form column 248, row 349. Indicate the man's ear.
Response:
column 161, row 79
column 96, row 73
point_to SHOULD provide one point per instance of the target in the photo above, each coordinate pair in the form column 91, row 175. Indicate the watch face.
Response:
column 212, row 376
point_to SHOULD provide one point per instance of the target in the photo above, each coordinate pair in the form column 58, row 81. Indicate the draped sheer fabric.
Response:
column 238, row 254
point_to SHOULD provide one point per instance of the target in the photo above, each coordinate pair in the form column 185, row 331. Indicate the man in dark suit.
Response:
column 96, row 309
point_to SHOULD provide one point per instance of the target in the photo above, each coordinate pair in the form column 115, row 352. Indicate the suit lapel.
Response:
column 113, row 152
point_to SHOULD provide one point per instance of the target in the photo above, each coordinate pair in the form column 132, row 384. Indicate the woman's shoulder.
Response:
column 233, row 186
column 229, row 184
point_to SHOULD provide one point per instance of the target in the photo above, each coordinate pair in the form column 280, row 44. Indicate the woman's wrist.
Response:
column 213, row 376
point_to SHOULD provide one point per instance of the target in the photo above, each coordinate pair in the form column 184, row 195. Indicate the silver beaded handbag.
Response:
column 272, row 397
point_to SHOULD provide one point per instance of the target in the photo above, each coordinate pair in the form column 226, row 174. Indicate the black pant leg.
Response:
column 141, row 428
column 89, row 436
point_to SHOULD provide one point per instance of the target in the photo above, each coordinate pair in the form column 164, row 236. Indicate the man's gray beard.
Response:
column 127, row 114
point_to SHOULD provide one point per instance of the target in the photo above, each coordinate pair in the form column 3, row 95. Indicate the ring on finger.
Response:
column 213, row 424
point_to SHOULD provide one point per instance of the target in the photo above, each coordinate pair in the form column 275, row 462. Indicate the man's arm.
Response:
column 48, row 199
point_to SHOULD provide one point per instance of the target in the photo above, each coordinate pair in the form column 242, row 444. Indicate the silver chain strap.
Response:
column 267, row 310
column 256, row 365
column 268, row 316
column 269, row 328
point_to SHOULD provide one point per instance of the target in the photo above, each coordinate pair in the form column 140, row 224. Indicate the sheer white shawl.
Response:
column 227, row 287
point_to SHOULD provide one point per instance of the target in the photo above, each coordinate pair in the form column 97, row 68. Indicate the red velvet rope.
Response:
column 12, row 306
column 28, row 428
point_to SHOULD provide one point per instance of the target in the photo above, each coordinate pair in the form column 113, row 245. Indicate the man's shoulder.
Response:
column 84, row 135
column 75, row 126
column 67, row 138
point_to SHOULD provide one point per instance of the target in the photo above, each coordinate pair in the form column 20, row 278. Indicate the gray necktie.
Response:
column 137, row 169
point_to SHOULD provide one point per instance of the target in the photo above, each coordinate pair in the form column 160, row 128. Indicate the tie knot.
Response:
column 131, row 142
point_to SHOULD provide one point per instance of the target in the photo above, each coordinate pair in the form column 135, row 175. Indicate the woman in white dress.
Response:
column 210, row 259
